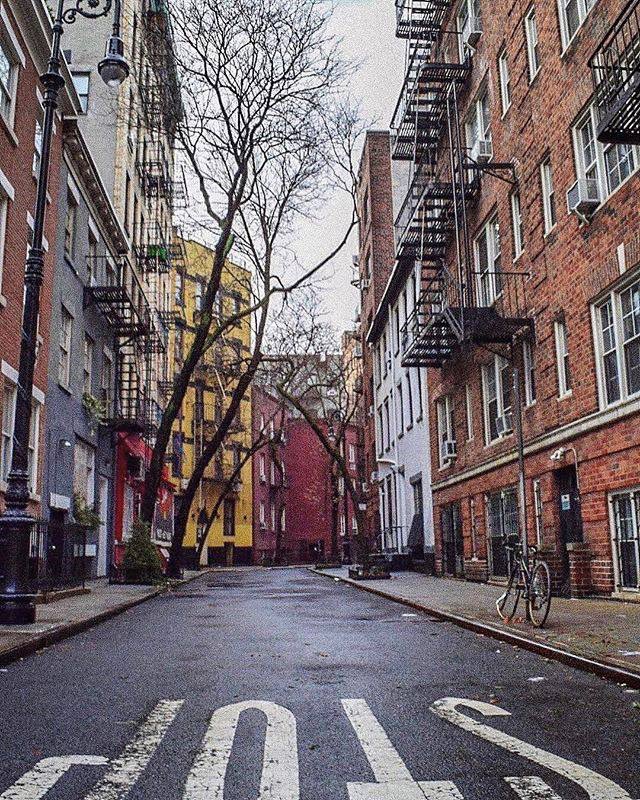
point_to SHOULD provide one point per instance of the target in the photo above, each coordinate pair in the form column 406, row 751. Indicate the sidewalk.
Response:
column 604, row 632
column 65, row 617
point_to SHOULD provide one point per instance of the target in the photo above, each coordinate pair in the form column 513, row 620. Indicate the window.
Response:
column 400, row 408
column 198, row 296
column 380, row 432
column 8, row 419
column 605, row 166
column 529, row 370
column 352, row 455
column 502, row 521
column 537, row 510
column 420, row 409
column 106, row 383
column 625, row 508
column 478, row 122
column 263, row 468
column 92, row 259
column 562, row 359
column 262, row 515
column 179, row 298
column 548, row 196
column 70, row 226
column 396, row 325
column 409, row 401
column 84, row 472
column 283, row 519
column 272, row 471
column 64, row 357
column 533, row 47
column 8, row 74
column 488, row 266
column 446, row 430
column 572, row 15
column 89, row 347
column 81, row 82
column 496, row 385
column 273, row 516
column 468, row 21
column 387, row 425
column 385, row 355
column 4, row 208
column 127, row 201
column 516, row 226
column 34, row 442
column 468, row 410
column 505, row 81
column 37, row 147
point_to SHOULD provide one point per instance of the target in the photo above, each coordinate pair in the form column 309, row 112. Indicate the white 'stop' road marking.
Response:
column 280, row 779
column 532, row 788
column 125, row 770
column 597, row 786
column 44, row 775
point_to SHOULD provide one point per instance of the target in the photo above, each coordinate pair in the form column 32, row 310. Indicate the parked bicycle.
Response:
column 528, row 578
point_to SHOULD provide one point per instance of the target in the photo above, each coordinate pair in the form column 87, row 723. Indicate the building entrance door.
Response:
column 453, row 544
column 570, row 514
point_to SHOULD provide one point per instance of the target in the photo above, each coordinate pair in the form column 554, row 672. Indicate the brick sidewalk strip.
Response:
column 600, row 636
column 66, row 617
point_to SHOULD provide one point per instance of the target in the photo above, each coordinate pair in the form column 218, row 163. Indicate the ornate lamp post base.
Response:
column 16, row 606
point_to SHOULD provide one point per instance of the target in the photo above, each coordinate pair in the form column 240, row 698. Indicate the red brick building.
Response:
column 25, row 31
column 375, row 261
column 523, row 212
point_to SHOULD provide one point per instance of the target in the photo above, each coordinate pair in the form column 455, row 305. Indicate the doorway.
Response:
column 452, row 540
column 228, row 554
column 103, row 509
column 229, row 517
column 570, row 515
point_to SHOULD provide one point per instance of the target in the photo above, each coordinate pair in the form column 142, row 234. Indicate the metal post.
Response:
column 522, row 496
column 17, row 605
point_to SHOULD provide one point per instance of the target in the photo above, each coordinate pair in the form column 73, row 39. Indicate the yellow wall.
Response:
column 217, row 383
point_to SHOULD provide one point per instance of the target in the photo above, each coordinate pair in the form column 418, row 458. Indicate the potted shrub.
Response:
column 141, row 563
column 96, row 410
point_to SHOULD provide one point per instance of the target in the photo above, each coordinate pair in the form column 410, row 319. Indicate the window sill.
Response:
column 3, row 486
column 400, row 435
column 64, row 388
column 3, row 301
column 9, row 130
column 530, row 405
column 419, row 418
column 533, row 79
column 409, row 427
column 565, row 395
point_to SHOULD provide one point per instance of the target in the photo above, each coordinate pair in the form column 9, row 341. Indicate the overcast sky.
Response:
column 367, row 28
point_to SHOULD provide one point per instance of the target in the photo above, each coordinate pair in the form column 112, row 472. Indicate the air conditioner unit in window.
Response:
column 450, row 449
column 370, row 411
column 504, row 424
column 365, row 283
column 365, row 486
column 583, row 197
column 482, row 151
column 472, row 31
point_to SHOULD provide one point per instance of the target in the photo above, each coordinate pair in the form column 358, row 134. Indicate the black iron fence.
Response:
column 60, row 556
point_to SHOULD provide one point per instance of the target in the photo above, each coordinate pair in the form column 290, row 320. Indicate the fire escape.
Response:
column 615, row 69
column 468, row 303
column 116, row 291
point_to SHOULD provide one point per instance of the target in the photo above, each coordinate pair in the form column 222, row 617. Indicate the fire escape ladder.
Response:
column 615, row 70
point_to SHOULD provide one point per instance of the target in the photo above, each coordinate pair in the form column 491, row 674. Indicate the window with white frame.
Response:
column 4, row 209
column 340, row 486
column 92, row 258
column 8, row 421
column 548, row 196
column 496, row 386
column 87, row 365
column 562, row 358
column 419, row 392
column 263, row 468
column 478, row 121
column 468, row 410
column 64, row 354
column 505, row 81
column 273, row 516
column 354, row 525
column 605, row 166
column 533, row 46
column 618, row 344
column 34, row 444
column 8, row 80
column 352, row 455
column 380, row 431
column 446, row 430
column 517, row 226
column 387, row 425
column 529, row 369
column 106, row 383
column 262, row 515
column 488, row 266
column 625, row 509
column 37, row 146
column 468, row 20
column 343, row 525
column 272, row 472
column 283, row 519
column 84, row 458
column 409, row 400
column 81, row 83
column 70, row 226
column 572, row 14
column 198, row 296
column 400, row 409
column 537, row 510
column 396, row 326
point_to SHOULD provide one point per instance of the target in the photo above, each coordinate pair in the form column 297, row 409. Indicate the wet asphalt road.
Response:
column 291, row 639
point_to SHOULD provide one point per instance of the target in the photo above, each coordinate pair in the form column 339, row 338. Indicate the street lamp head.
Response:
column 113, row 68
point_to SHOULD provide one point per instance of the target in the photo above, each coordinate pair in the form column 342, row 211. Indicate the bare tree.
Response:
column 266, row 134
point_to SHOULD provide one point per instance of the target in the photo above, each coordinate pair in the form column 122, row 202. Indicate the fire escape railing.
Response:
column 117, row 292
column 615, row 70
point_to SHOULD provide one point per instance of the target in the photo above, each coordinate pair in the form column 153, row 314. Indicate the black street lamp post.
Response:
column 17, row 605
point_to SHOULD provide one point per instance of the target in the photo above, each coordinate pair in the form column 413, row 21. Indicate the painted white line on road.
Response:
column 597, row 786
column 532, row 788
column 394, row 780
column 125, row 770
column 280, row 779
column 440, row 790
column 45, row 774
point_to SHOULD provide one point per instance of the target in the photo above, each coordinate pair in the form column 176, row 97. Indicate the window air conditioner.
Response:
column 472, row 31
column 583, row 197
column 504, row 424
column 365, row 283
column 450, row 449
column 482, row 151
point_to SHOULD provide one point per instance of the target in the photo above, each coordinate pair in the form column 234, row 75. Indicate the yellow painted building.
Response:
column 224, row 518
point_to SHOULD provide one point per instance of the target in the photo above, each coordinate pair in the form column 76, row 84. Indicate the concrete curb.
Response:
column 602, row 668
column 70, row 629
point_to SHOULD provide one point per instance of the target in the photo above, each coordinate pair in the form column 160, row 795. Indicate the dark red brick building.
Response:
column 25, row 30
column 523, row 211
column 375, row 262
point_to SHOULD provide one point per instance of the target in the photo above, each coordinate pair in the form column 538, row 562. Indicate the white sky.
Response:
column 367, row 28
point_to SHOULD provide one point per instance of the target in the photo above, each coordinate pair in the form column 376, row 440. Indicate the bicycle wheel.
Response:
column 540, row 594
column 507, row 603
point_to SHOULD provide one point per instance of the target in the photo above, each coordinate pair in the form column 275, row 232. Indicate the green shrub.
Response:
column 141, row 562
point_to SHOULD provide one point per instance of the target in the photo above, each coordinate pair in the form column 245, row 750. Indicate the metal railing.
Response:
column 615, row 70
column 392, row 539
column 59, row 556
column 116, row 290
